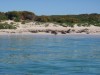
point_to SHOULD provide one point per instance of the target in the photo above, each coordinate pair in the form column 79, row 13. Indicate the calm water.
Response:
column 49, row 55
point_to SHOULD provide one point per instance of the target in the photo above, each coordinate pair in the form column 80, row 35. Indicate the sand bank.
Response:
column 49, row 28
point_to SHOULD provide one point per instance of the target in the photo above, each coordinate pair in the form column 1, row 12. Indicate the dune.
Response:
column 33, row 27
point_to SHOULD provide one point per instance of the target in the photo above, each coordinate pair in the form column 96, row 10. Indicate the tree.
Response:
column 2, row 16
column 13, row 15
column 26, row 15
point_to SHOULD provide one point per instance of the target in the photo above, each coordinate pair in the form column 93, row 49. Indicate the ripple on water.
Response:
column 49, row 55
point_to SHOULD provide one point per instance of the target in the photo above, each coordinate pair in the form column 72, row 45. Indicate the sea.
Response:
column 24, row 54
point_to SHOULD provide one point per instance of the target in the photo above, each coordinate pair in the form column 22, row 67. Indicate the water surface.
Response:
column 49, row 55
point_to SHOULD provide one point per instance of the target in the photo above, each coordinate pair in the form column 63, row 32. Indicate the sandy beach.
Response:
column 49, row 28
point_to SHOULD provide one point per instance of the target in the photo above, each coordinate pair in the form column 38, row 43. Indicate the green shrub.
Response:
column 23, row 22
column 7, row 26
column 17, row 20
column 11, row 23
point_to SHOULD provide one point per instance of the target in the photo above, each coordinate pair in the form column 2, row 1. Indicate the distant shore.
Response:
column 49, row 28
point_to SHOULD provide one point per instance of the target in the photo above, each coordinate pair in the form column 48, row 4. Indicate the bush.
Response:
column 17, row 20
column 23, row 22
column 11, row 23
column 97, row 25
column 7, row 26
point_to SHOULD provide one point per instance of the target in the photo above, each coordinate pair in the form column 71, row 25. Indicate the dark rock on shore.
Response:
column 83, row 30
column 68, row 31
column 54, row 32
column 33, row 31
column 63, row 32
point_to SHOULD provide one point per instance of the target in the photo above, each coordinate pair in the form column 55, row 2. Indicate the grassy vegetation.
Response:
column 70, row 20
column 7, row 26
column 64, row 20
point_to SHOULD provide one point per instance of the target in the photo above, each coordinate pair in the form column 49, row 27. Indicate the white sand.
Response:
column 32, row 26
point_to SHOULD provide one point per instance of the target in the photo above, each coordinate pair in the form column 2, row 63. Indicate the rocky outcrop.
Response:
column 83, row 31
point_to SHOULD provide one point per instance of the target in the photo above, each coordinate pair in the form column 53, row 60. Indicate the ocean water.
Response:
column 49, row 55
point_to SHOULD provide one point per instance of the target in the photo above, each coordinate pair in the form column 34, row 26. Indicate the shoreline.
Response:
column 49, row 28
column 50, row 31
column 43, row 33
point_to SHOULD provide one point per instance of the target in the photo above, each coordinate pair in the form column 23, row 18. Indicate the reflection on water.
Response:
column 49, row 55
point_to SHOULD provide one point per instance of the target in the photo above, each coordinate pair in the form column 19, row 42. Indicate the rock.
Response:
column 83, row 30
column 54, row 32
column 34, row 31
column 47, row 31
column 68, row 31
column 63, row 32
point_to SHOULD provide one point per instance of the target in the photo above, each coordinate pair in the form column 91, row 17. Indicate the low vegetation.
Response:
column 64, row 20
column 7, row 26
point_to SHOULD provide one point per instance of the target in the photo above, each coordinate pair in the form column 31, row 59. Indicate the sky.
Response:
column 51, row 7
